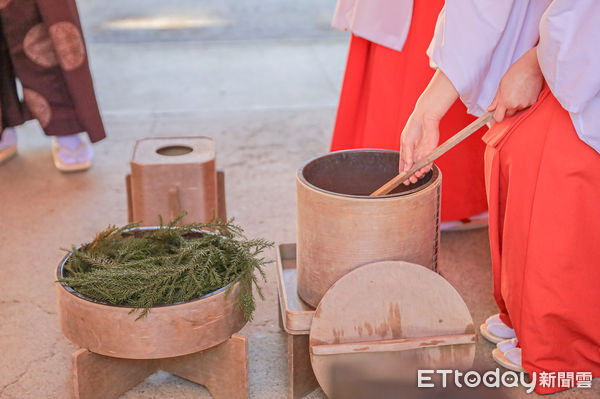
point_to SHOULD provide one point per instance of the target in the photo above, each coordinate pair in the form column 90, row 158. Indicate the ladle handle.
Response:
column 435, row 154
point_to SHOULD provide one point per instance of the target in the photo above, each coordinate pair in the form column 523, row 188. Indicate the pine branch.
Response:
column 169, row 265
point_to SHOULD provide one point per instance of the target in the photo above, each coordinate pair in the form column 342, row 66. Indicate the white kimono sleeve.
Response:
column 385, row 22
column 476, row 41
column 568, row 53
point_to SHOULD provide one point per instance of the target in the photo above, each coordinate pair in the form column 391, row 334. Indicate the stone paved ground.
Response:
column 263, row 79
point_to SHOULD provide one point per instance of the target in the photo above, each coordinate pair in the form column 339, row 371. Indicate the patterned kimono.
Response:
column 42, row 45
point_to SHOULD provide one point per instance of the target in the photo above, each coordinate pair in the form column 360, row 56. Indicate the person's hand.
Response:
column 519, row 88
column 421, row 132
column 419, row 137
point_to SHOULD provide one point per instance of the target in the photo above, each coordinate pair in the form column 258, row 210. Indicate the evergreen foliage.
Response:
column 169, row 265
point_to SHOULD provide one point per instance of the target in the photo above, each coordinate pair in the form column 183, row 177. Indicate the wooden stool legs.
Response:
column 222, row 369
column 98, row 377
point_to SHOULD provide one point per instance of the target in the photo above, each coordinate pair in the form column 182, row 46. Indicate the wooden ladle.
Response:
column 435, row 154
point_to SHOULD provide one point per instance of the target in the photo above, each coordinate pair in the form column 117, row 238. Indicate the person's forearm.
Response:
column 438, row 97
column 531, row 58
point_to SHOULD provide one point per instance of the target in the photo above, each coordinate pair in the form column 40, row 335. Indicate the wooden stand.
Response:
column 196, row 340
column 221, row 369
column 174, row 174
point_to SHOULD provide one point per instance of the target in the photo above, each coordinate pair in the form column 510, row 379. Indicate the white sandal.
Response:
column 510, row 359
column 59, row 151
column 507, row 345
column 8, row 144
column 495, row 331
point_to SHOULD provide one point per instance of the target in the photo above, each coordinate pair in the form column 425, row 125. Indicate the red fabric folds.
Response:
column 543, row 184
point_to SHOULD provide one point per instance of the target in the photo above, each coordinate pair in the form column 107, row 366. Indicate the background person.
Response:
column 42, row 45
column 386, row 71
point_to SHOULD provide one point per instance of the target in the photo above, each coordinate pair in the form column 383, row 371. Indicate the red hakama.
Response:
column 543, row 184
column 380, row 89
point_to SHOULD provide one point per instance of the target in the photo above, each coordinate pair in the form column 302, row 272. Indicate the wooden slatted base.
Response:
column 222, row 369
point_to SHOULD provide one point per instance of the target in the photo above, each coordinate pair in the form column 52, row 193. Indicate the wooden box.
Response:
column 170, row 175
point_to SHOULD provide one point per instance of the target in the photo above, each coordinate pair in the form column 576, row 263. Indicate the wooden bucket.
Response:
column 166, row 331
column 340, row 227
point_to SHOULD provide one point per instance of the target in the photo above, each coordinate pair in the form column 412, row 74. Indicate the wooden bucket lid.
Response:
column 385, row 320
